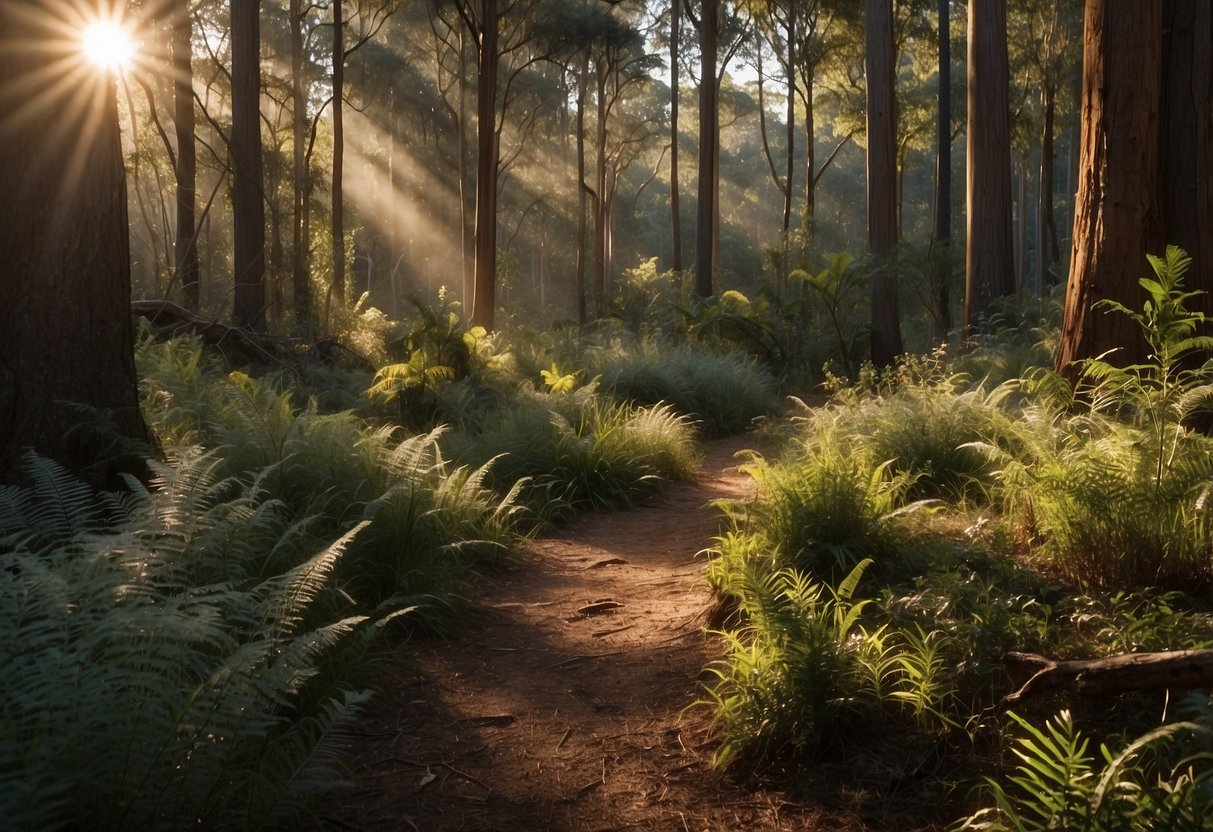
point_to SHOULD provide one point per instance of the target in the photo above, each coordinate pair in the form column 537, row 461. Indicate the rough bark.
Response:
column 301, row 281
column 337, row 215
column 65, row 330
column 989, row 251
column 186, row 246
column 1050, row 251
column 598, row 277
column 882, row 179
column 485, row 278
column 941, row 226
column 675, row 82
column 1186, row 130
column 1124, row 673
column 709, row 138
column 1117, row 218
column 248, row 209
column 582, row 83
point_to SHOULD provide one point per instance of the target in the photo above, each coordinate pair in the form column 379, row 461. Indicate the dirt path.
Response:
column 561, row 706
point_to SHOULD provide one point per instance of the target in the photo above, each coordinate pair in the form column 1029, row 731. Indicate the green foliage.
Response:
column 157, row 677
column 723, row 392
column 580, row 448
column 839, row 290
column 1118, row 495
column 1160, row 781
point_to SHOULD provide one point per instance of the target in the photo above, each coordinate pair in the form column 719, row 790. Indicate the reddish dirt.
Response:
column 562, row 705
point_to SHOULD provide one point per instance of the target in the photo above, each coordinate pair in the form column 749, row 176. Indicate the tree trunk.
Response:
column 598, row 276
column 882, row 179
column 186, row 250
column 485, row 279
column 65, row 325
column 300, row 238
column 582, row 83
column 1117, row 218
column 466, row 235
column 675, row 74
column 1186, row 129
column 337, row 217
column 941, row 227
column 709, row 137
column 1050, row 251
column 989, row 251
column 248, row 209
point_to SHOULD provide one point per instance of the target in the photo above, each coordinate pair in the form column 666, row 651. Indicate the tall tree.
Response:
column 1186, row 128
column 989, row 253
column 709, row 143
column 337, row 216
column 301, row 278
column 248, row 208
column 941, row 225
column 186, row 246
column 65, row 324
column 882, row 179
column 1117, row 217
column 485, row 268
column 675, row 83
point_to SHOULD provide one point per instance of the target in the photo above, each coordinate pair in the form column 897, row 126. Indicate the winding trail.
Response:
column 562, row 705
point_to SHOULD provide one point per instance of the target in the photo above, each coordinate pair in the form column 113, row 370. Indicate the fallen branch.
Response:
column 1112, row 675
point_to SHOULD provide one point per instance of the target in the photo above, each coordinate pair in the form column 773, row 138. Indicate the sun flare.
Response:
column 108, row 45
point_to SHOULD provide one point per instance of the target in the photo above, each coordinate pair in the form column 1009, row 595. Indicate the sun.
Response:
column 108, row 45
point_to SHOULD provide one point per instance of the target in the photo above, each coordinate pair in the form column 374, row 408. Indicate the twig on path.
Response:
column 466, row 776
column 599, row 607
column 567, row 733
column 575, row 659
column 608, row 562
column 604, row 633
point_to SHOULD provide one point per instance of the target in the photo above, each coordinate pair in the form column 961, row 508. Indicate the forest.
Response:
column 606, row 414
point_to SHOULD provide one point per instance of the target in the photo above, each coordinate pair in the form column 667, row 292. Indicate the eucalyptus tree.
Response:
column 1118, row 211
column 65, row 324
column 940, row 302
column 882, row 179
column 989, row 259
column 248, row 209
column 186, row 167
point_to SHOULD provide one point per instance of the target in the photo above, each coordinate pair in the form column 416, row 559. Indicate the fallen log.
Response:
column 167, row 319
column 1124, row 673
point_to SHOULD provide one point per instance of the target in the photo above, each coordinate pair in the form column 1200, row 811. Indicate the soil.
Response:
column 562, row 704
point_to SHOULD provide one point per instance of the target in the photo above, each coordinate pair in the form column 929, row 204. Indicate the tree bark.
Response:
column 675, row 82
column 301, row 279
column 709, row 138
column 186, row 246
column 1117, row 218
column 248, row 209
column 882, row 179
column 989, row 251
column 941, row 226
column 1050, row 251
column 598, row 277
column 337, row 217
column 1186, row 129
column 582, row 83
column 1124, row 673
column 485, row 278
column 65, row 325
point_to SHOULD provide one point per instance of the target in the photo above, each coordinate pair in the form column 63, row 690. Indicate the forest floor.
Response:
column 561, row 705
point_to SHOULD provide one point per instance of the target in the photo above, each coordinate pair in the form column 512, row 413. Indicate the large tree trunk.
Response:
column 675, row 70
column 709, row 138
column 337, row 217
column 248, row 209
column 989, row 252
column 65, row 325
column 882, row 179
column 941, row 226
column 483, row 300
column 582, row 83
column 1117, row 219
column 301, row 280
column 186, row 252
column 1186, row 129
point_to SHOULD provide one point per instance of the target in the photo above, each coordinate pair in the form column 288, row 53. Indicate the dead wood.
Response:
column 1123, row 673
column 236, row 344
